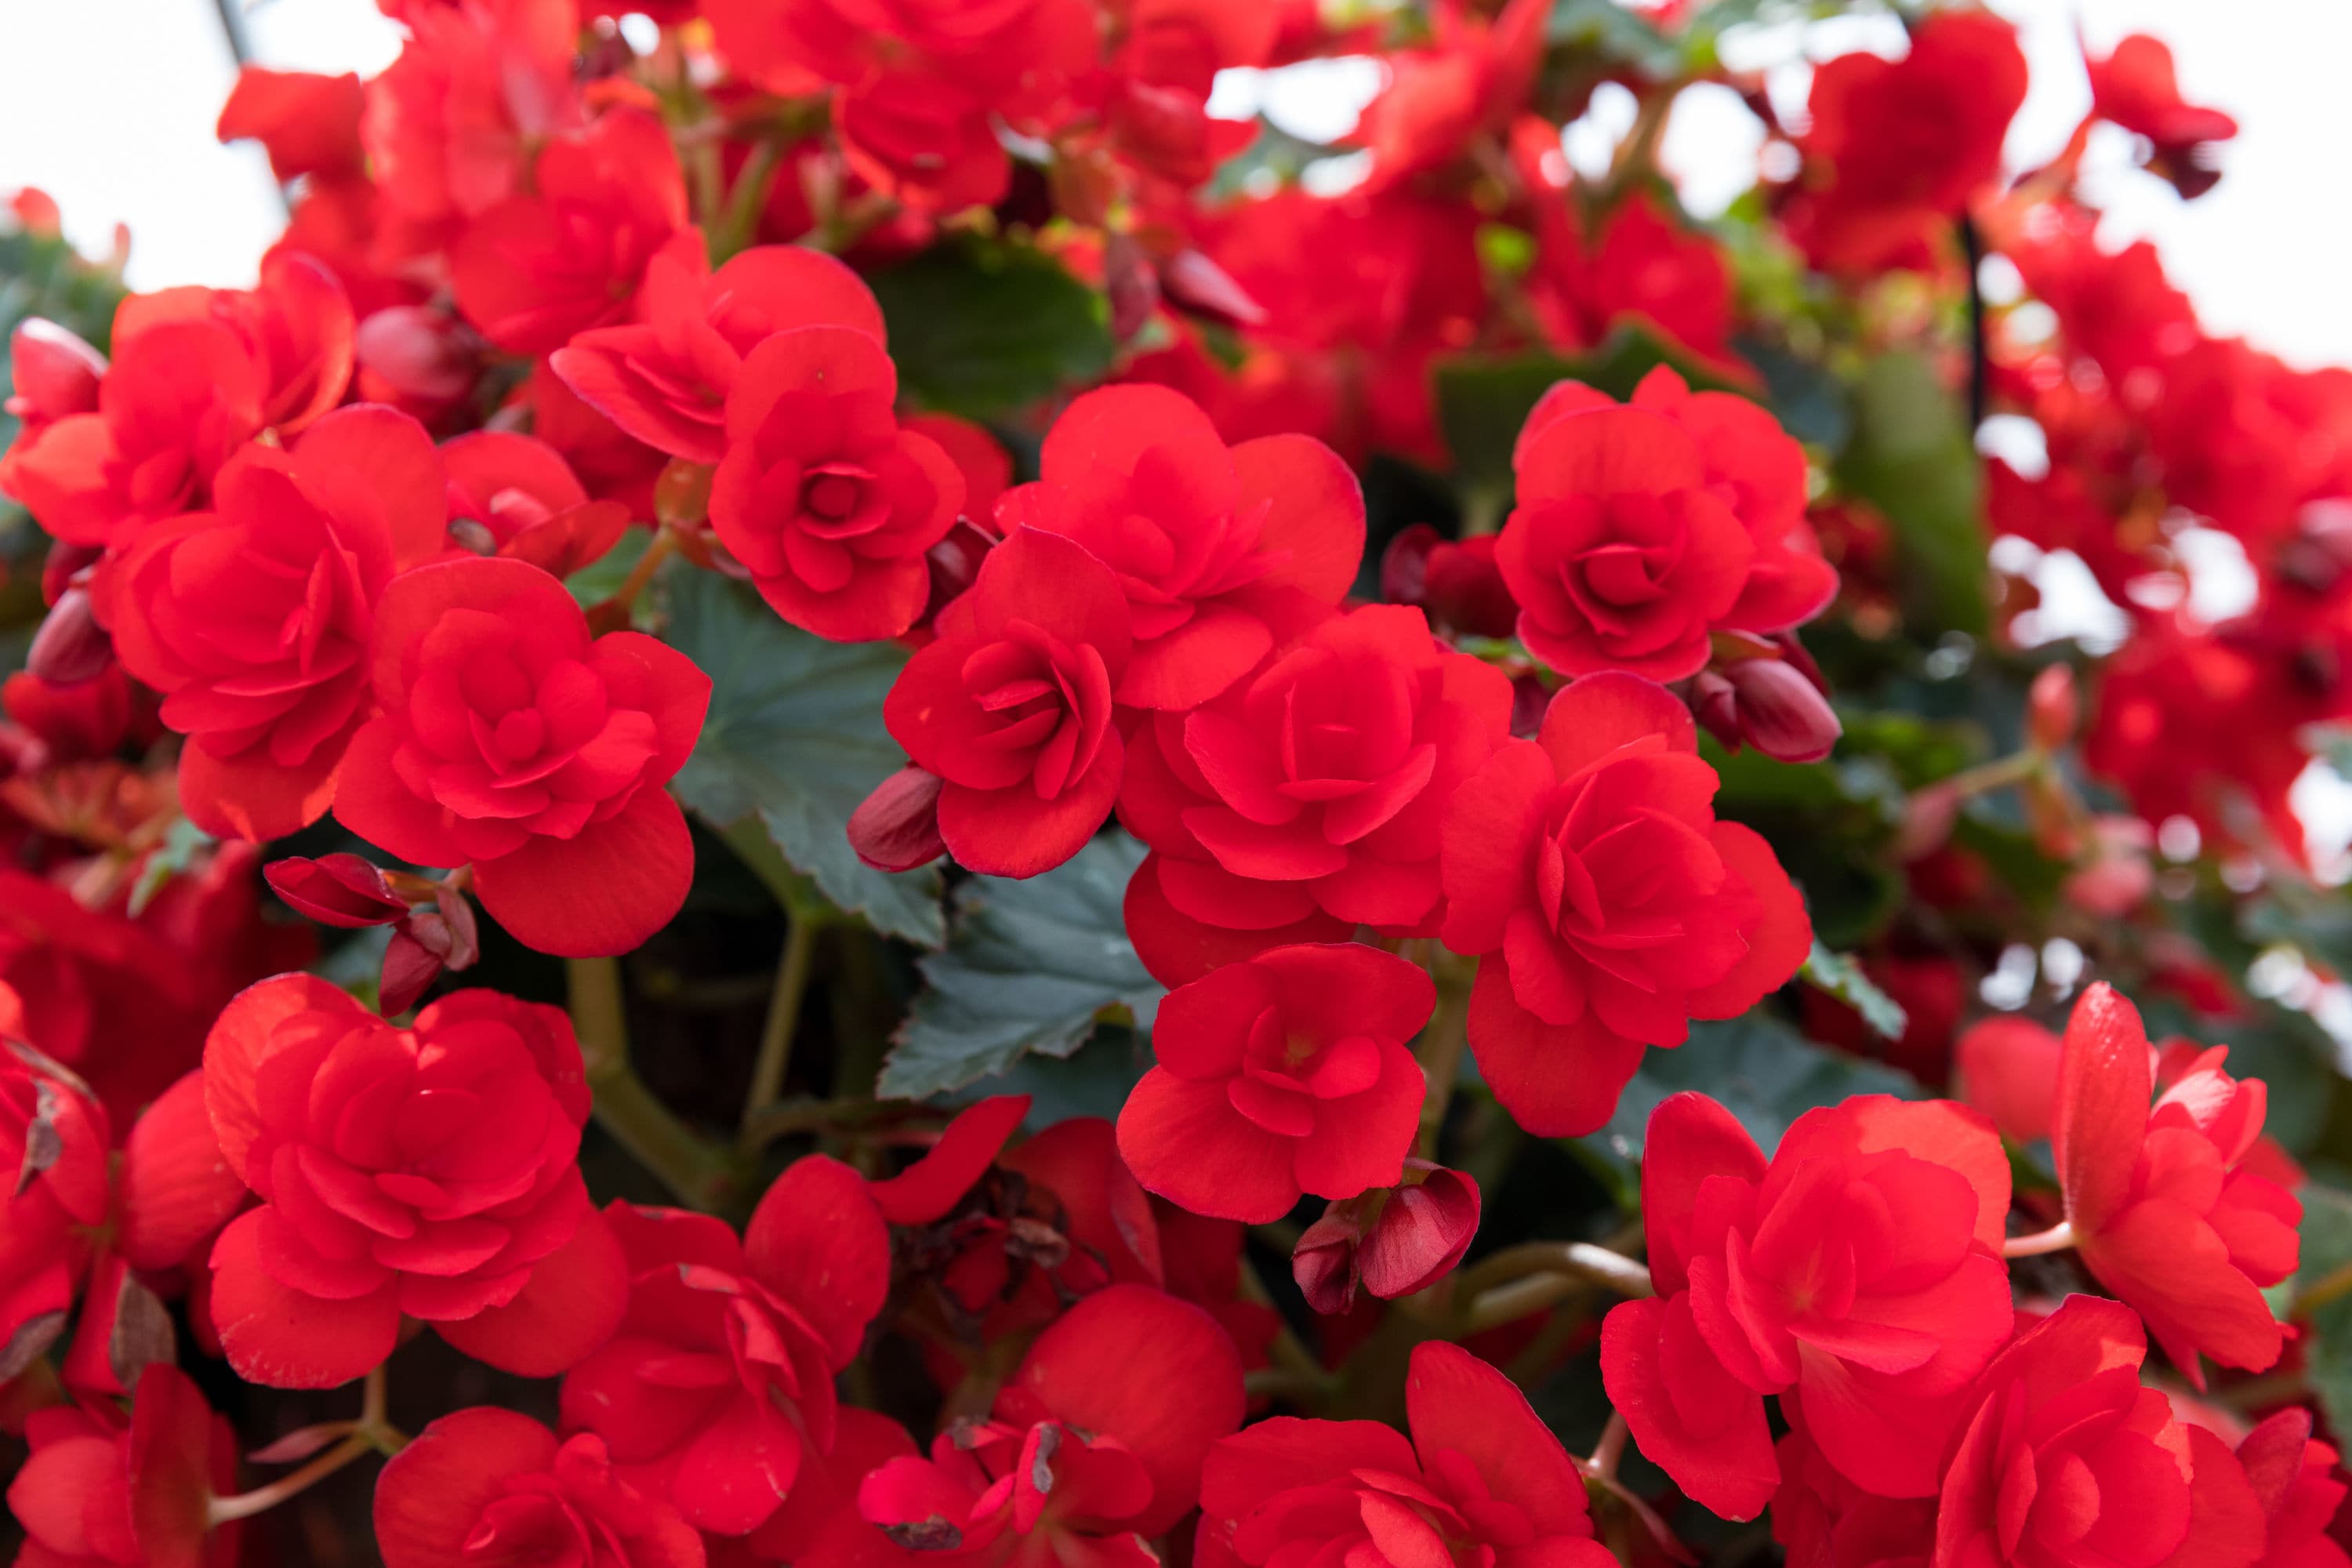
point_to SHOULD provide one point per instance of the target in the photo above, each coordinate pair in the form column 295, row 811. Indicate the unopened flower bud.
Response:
column 2053, row 708
column 897, row 829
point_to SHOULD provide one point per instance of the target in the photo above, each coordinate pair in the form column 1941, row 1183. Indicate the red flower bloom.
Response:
column 177, row 1189
column 2135, row 88
column 1640, row 267
column 1223, row 554
column 1473, row 78
column 425, row 1171
column 196, row 373
column 537, row 269
column 255, row 619
column 1011, row 704
column 2295, row 1481
column 2066, row 1461
column 491, row 1484
column 1826, row 1521
column 1899, row 146
column 1641, row 529
column 308, row 124
column 508, row 738
column 664, row 378
column 1285, row 1074
column 823, row 496
column 1314, row 789
column 1391, row 1243
column 54, row 1136
column 1098, row 1438
column 1482, row 1481
column 98, row 1493
column 1859, row 1272
column 1612, row 906
column 718, row 1388
column 2162, row 1207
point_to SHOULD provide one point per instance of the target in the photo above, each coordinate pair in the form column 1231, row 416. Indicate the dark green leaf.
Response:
column 1803, row 396
column 1761, row 1070
column 2326, row 1252
column 602, row 578
column 1841, row 977
column 796, row 738
column 1911, row 458
column 1032, row 967
column 982, row 331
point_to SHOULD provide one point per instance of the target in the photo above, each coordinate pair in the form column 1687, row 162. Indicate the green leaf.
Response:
column 1841, row 977
column 1911, row 458
column 2327, row 1251
column 1761, row 1070
column 602, row 578
column 795, row 739
column 1032, row 966
column 986, row 329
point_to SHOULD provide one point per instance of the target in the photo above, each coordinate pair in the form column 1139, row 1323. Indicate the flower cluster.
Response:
column 1400, row 708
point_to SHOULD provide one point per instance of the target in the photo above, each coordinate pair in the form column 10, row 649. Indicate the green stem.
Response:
column 688, row 1164
column 740, row 219
column 1995, row 775
column 1439, row 1051
column 1579, row 1260
column 776, row 1033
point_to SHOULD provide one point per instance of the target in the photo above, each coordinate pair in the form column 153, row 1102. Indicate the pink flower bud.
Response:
column 1781, row 713
column 336, row 889
column 1191, row 281
column 1324, row 1260
column 71, row 646
column 56, row 374
column 897, row 829
column 1421, row 1234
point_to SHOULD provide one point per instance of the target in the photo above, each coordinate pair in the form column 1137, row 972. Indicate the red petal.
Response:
column 1690, row 1141
column 1185, row 1141
column 375, row 463
column 1555, row 1081
column 929, row 1188
column 233, row 1051
column 1727, row 1468
column 572, row 1304
column 177, row 1188
column 1776, row 948
column 1593, row 716
column 602, row 893
column 282, row 1339
column 2105, row 1083
column 430, row 1496
column 817, row 1241
column 1315, row 517
column 252, row 798
column 1456, row 1403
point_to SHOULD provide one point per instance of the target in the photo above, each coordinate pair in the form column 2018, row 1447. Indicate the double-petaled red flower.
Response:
column 255, row 619
column 1482, row 1481
column 102, row 1492
column 1641, row 529
column 1288, row 1073
column 484, row 1484
column 2297, row 1481
column 1223, row 554
column 1011, row 704
column 1096, row 1440
column 1312, row 791
column 1858, row 1272
column 1610, row 907
column 717, row 1392
column 2162, row 1205
column 2064, row 1461
column 508, row 737
column 823, row 497
column 425, row 1173
column 535, row 269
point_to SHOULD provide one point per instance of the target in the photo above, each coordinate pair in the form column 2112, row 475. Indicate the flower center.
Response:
column 832, row 497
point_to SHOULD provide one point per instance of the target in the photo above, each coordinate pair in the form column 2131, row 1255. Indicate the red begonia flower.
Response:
column 1644, row 265
column 1641, row 529
column 426, row 1171
column 718, row 1389
column 527, row 502
column 308, row 124
column 1223, row 554
column 492, row 1485
column 536, row 270
column 255, row 619
column 1472, row 78
column 1011, row 704
column 1287, row 1074
column 1859, row 1271
column 827, row 500
column 2066, row 1461
column 2007, row 1067
column 665, row 377
column 925, row 1190
column 1098, row 1438
column 1319, row 782
column 344, row 890
column 196, row 373
column 2135, row 88
column 101, row 1493
column 54, row 1134
column 509, row 738
column 1482, row 1481
column 2163, row 1208
column 2296, row 1480
column 1610, row 907
column 177, row 1188
column 1903, row 144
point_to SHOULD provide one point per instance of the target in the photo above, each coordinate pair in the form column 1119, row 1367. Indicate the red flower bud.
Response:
column 1192, row 280
column 1324, row 1260
column 954, row 562
column 2053, row 708
column 410, row 967
column 897, row 829
column 1781, row 713
column 1421, row 1234
column 336, row 889
column 71, row 646
column 56, row 374
column 1131, row 285
column 415, row 357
